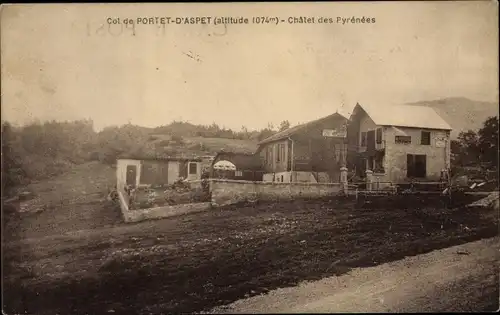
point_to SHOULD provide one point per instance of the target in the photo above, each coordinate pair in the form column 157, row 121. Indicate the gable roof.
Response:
column 413, row 116
column 293, row 130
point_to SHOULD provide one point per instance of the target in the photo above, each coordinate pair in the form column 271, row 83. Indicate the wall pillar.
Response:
column 343, row 179
column 369, row 180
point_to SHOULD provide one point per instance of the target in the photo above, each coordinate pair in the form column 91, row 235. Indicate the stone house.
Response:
column 399, row 143
column 312, row 152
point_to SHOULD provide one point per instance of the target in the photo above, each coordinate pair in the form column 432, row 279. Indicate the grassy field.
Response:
column 77, row 257
column 209, row 146
column 73, row 201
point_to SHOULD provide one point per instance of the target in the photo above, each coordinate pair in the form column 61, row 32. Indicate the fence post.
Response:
column 369, row 179
column 343, row 179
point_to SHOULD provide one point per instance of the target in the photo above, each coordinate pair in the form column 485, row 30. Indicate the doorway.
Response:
column 131, row 175
column 416, row 165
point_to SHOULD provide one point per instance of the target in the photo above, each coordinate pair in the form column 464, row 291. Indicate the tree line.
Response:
column 477, row 148
column 41, row 150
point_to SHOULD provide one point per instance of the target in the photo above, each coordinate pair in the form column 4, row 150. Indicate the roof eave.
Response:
column 432, row 128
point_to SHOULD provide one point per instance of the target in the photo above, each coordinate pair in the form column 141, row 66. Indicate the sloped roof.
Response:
column 145, row 157
column 293, row 130
column 413, row 116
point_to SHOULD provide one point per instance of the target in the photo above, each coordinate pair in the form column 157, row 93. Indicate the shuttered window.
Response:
column 379, row 135
column 425, row 138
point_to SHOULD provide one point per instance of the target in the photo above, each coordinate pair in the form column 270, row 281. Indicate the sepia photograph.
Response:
column 250, row 157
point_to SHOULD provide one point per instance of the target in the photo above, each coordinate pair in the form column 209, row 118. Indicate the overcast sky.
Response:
column 58, row 64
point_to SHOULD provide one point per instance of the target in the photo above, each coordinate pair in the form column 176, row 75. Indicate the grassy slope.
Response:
column 72, row 201
column 217, row 144
column 194, row 146
column 461, row 113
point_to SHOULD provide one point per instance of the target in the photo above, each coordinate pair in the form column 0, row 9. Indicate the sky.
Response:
column 65, row 62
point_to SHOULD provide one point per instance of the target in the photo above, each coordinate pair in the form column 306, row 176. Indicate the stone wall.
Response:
column 225, row 192
column 158, row 212
column 165, row 212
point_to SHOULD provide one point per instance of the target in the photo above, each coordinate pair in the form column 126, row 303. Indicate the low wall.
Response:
column 165, row 212
column 123, row 200
column 158, row 212
column 225, row 192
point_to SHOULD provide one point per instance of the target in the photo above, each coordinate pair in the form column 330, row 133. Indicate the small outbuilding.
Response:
column 145, row 171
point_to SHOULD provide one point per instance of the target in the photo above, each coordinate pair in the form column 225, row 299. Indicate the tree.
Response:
column 265, row 133
column 487, row 143
column 12, row 172
column 285, row 124
column 466, row 148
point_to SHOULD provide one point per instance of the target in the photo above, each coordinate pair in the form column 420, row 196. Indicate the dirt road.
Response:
column 460, row 278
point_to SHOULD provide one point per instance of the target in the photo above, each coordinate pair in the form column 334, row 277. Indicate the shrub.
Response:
column 177, row 139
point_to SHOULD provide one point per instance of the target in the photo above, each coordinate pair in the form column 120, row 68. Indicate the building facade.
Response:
column 311, row 152
column 399, row 143
column 156, row 172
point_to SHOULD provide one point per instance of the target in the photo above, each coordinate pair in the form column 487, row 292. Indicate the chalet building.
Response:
column 310, row 152
column 237, row 166
column 145, row 171
column 399, row 143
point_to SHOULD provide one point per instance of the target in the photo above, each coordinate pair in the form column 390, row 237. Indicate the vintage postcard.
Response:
column 301, row 157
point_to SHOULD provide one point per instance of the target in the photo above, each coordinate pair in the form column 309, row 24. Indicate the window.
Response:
column 238, row 173
column 269, row 155
column 425, row 138
column 280, row 152
column 379, row 135
column 363, row 139
column 193, row 168
column 403, row 139
column 370, row 140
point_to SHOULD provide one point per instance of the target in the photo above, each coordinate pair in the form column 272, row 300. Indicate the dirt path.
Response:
column 442, row 280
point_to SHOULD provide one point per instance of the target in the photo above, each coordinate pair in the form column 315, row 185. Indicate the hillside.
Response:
column 462, row 113
column 191, row 146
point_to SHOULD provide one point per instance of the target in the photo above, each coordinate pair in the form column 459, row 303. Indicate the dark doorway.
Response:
column 416, row 166
column 183, row 171
column 131, row 174
column 361, row 167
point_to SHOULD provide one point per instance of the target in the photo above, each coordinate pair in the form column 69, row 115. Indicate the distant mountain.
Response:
column 462, row 113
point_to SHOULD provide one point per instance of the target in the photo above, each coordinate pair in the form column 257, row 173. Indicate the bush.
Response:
column 177, row 139
column 94, row 156
column 163, row 143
